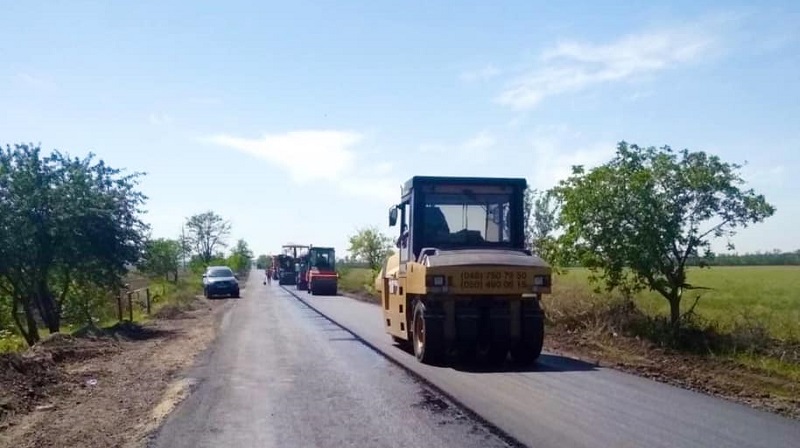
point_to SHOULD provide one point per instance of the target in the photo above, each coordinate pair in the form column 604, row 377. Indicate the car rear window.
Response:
column 220, row 272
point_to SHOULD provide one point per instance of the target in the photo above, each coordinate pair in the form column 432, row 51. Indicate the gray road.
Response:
column 281, row 375
column 564, row 403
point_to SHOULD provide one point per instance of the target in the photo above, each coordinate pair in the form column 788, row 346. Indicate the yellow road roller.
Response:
column 461, row 281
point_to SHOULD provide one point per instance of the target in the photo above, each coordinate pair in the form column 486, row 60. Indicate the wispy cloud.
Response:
column 573, row 66
column 557, row 149
column 764, row 175
column 483, row 74
column 480, row 142
column 159, row 119
column 314, row 155
column 475, row 148
column 204, row 100
column 638, row 95
column 36, row 81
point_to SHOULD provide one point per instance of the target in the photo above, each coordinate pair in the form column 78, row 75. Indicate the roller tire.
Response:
column 528, row 349
column 428, row 336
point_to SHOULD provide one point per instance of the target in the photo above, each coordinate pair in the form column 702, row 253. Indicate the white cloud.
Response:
column 557, row 149
column 638, row 95
column 574, row 66
column 160, row 119
column 480, row 142
column 475, row 148
column 36, row 82
column 312, row 155
column 483, row 74
column 763, row 176
column 204, row 100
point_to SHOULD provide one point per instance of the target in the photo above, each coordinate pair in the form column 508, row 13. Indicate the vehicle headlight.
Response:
column 541, row 280
column 435, row 280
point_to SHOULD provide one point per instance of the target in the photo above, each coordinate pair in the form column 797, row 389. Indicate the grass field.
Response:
column 767, row 296
column 760, row 295
column 355, row 280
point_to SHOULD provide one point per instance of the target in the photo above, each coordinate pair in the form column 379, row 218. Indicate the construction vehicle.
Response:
column 287, row 263
column 461, row 281
column 322, row 275
column 286, row 270
column 301, row 267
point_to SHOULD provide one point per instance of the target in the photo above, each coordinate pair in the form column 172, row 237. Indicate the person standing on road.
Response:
column 269, row 276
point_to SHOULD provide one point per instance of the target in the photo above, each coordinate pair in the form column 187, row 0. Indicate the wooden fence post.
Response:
column 130, row 306
column 147, row 297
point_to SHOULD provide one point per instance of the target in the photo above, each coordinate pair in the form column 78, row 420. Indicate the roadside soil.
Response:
column 103, row 388
column 718, row 376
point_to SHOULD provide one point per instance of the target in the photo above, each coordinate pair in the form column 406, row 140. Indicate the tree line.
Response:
column 200, row 245
column 774, row 258
column 71, row 231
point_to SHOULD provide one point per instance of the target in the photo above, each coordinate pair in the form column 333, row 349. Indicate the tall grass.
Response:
column 764, row 296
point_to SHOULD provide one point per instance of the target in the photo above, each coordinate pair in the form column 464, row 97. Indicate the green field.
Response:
column 767, row 296
column 762, row 295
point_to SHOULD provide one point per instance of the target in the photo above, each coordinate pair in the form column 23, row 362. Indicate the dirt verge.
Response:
column 718, row 376
column 102, row 388
column 362, row 296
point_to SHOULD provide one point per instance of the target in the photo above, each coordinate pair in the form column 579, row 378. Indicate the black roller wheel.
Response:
column 467, row 351
column 528, row 349
column 494, row 353
column 428, row 336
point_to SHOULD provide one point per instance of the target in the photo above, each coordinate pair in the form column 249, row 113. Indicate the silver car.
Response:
column 220, row 280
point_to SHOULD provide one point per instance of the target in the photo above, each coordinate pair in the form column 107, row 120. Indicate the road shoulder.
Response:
column 110, row 389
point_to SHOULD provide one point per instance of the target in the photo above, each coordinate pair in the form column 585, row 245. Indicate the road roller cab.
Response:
column 461, row 280
column 286, row 270
column 301, row 268
column 322, row 275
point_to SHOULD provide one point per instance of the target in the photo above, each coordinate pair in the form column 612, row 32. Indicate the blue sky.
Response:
column 299, row 120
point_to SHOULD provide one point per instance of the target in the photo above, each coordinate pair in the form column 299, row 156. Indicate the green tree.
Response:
column 207, row 233
column 540, row 222
column 240, row 257
column 370, row 246
column 263, row 262
column 638, row 218
column 161, row 258
column 62, row 220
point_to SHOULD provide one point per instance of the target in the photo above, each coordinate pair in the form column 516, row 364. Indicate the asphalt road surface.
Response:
column 291, row 369
column 281, row 375
column 567, row 403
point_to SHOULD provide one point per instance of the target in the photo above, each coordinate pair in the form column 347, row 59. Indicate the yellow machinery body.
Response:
column 473, row 288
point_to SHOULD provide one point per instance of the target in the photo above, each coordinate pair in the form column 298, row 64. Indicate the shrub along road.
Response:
column 566, row 403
